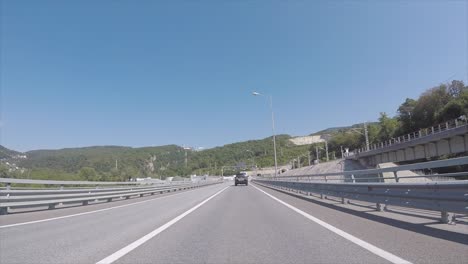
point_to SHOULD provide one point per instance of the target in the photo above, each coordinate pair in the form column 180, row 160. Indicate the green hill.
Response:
column 8, row 153
column 121, row 163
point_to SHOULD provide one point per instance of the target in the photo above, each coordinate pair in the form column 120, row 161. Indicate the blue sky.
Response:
column 148, row 73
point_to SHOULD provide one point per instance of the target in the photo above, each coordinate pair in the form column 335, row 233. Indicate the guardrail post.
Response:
column 85, row 202
column 352, row 178
column 343, row 200
column 3, row 210
column 446, row 217
column 52, row 206
column 381, row 207
column 395, row 174
column 8, row 186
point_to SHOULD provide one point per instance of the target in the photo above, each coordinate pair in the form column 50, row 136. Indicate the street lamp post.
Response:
column 273, row 129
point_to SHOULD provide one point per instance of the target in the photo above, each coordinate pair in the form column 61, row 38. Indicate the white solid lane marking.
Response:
column 91, row 212
column 377, row 251
column 122, row 252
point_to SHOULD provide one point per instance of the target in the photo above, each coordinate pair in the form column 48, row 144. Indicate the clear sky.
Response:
column 148, row 73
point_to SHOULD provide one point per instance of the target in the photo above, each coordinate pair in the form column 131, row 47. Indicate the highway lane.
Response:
column 88, row 238
column 236, row 225
column 416, row 239
column 243, row 225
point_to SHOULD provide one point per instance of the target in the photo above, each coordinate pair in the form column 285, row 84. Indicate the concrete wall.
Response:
column 457, row 144
column 420, row 152
column 401, row 155
column 443, row 147
column 431, row 150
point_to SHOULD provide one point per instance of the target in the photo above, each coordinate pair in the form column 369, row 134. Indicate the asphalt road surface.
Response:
column 220, row 224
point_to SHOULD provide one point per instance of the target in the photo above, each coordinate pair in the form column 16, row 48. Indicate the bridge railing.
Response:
column 425, row 132
column 52, row 197
column 377, row 174
column 448, row 197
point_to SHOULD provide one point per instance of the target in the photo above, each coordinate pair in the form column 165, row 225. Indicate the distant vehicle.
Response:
column 241, row 178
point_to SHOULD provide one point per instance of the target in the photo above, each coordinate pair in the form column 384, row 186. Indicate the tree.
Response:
column 452, row 110
column 373, row 133
column 388, row 127
column 429, row 105
column 405, row 113
column 3, row 171
column 130, row 172
column 456, row 88
column 88, row 173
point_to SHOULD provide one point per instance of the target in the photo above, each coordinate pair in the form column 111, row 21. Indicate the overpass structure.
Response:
column 444, row 139
column 294, row 219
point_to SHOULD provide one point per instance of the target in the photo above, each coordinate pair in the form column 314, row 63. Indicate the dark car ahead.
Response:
column 241, row 178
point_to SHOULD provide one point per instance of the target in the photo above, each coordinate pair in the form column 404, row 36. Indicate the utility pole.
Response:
column 317, row 153
column 366, row 135
column 326, row 149
column 116, row 165
column 308, row 155
column 341, row 152
column 298, row 162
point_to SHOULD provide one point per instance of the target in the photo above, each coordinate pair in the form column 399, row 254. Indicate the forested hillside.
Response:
column 7, row 153
column 121, row 163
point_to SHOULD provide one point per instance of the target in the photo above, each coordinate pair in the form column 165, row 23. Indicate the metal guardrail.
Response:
column 444, row 197
column 52, row 197
column 53, row 182
column 448, row 197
